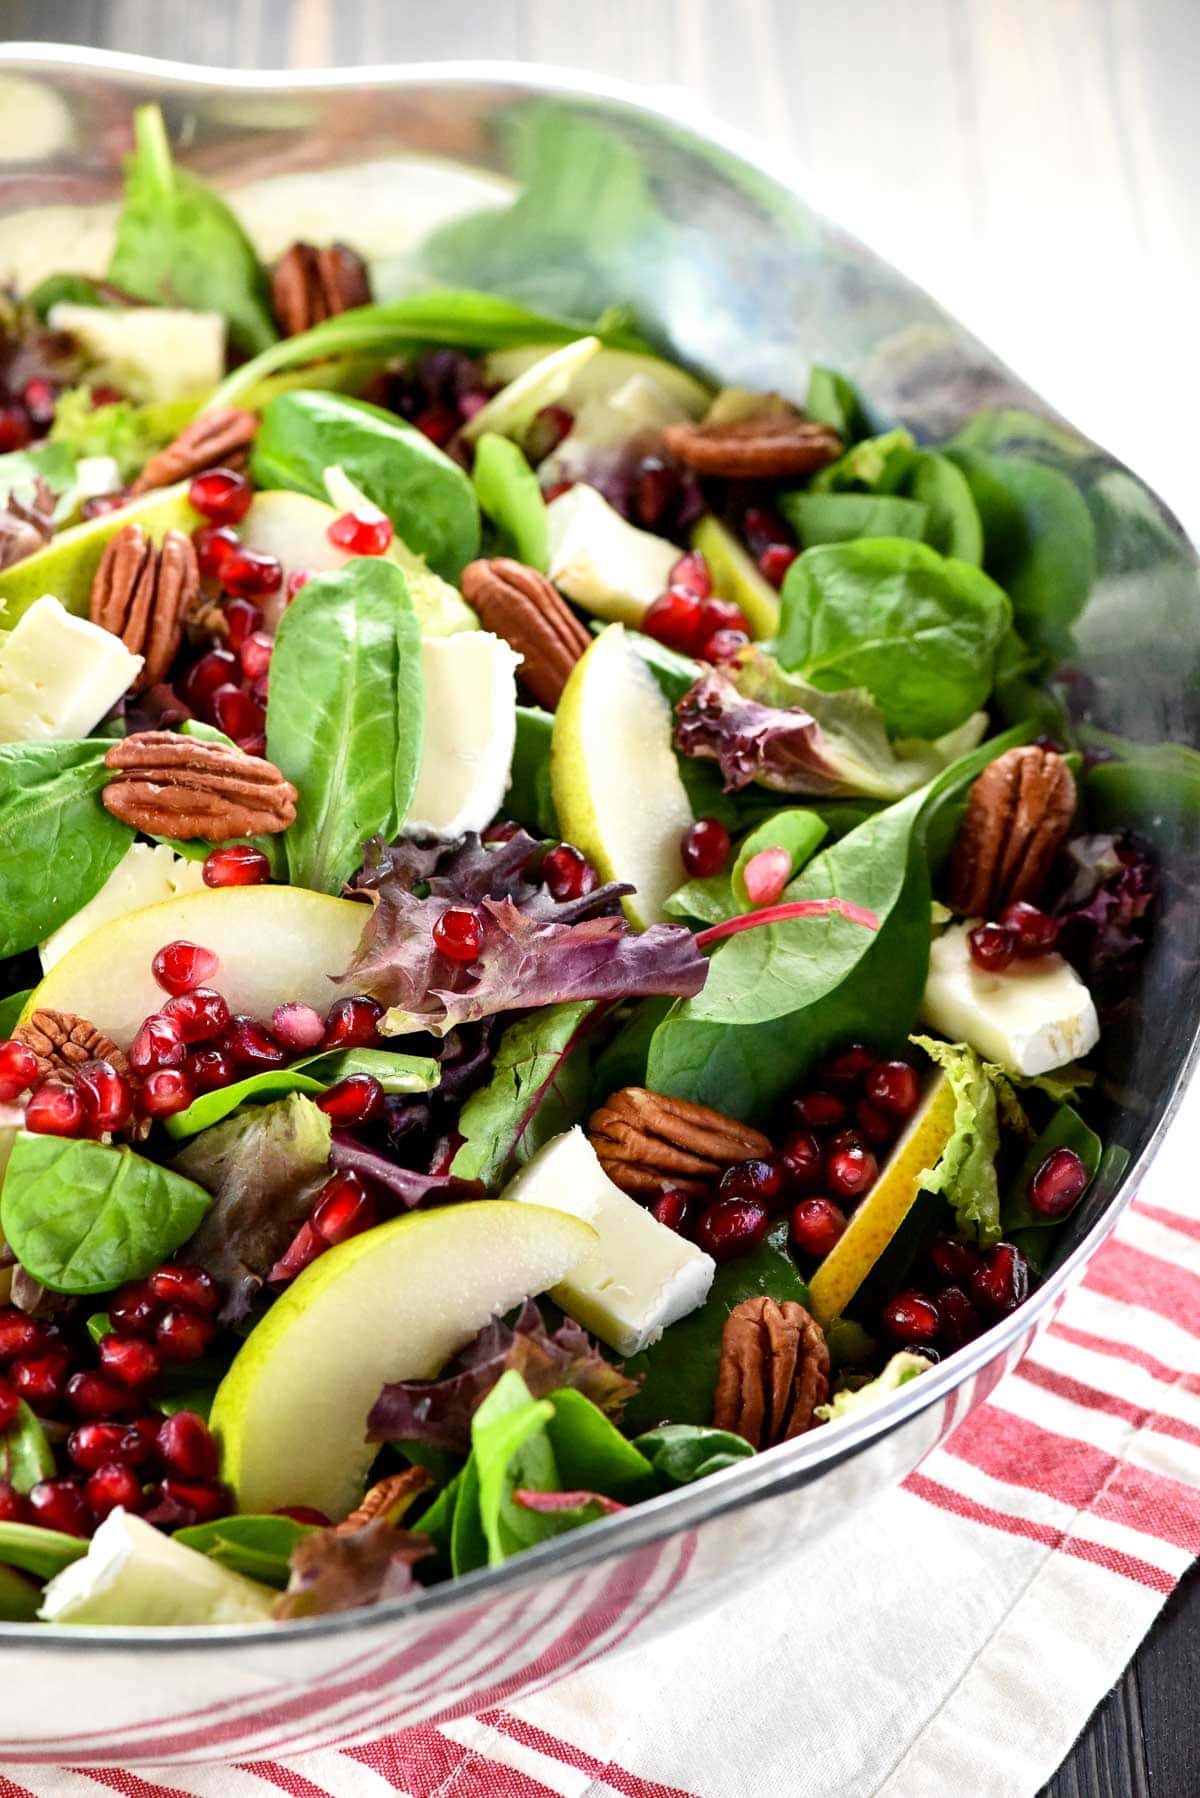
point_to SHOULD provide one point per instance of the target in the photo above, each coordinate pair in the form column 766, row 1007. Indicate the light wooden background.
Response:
column 1034, row 163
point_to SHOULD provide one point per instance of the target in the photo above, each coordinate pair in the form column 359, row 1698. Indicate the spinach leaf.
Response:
column 178, row 244
column 680, row 1369
column 847, row 517
column 682, row 1452
column 538, row 1088
column 40, row 1552
column 919, row 631
column 1039, row 542
column 258, row 1547
column 79, row 289
column 708, row 899
column 591, row 1453
column 798, row 830
column 428, row 498
column 25, row 1455
column 468, row 1544
column 874, row 465
column 1066, row 1130
column 85, row 1217
column 833, row 400
column 507, row 490
column 11, row 1009
column 510, row 1448
column 310, row 1074
column 529, row 799
column 953, row 525
column 20, row 1598
column 344, row 716
column 51, row 817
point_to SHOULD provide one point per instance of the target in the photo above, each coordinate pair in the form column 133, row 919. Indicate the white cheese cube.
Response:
column 640, row 1277
column 1035, row 1016
column 150, row 352
column 600, row 561
column 145, row 875
column 59, row 675
column 469, row 733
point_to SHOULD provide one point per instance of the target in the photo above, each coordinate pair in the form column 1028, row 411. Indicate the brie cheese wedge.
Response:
column 1031, row 1018
column 59, row 675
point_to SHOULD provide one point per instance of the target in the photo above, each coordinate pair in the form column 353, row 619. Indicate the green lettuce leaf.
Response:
column 965, row 1174
column 899, row 1371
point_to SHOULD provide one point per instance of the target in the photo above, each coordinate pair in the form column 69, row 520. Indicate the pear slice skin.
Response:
column 883, row 1210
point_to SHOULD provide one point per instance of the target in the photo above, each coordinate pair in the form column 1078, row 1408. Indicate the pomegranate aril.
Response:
column 186, row 1447
column 911, row 1318
column 182, row 1283
column 130, row 1361
column 133, row 1312
column 1057, row 1184
column 251, row 1045
column 353, row 1023
column 180, row 967
column 874, row 1126
column 723, row 646
column 19, row 1068
column 1002, row 1283
column 40, row 400
column 10, row 1406
column 221, row 494
column 848, row 1066
column 166, row 1091
column 358, row 1099
column 816, row 1227
column 752, row 1179
column 236, row 865
column 895, row 1087
column 344, row 1208
column 246, row 575
column 158, row 1044
column 93, row 1445
column 91, row 1395
column 236, row 714
column 691, row 572
column 675, row 1209
column 458, row 933
column 819, row 1110
column 55, row 1110
column 721, row 615
column 675, row 619
column 705, row 847
column 255, row 655
column 655, row 487
column 112, row 1485
column 60, row 1505
column 201, row 1015
column 242, row 619
column 567, row 873
column 16, row 428
column 992, row 947
column 849, row 1137
column 14, row 1506
column 297, row 1026
column 959, row 1319
column 438, row 423
column 214, row 544
column 304, row 1247
column 365, row 531
column 212, row 672
column 732, row 1226
column 197, row 1501
column 208, row 1069
column 849, row 1172
column 1036, row 931
column 19, row 1333
column 802, row 1162
column 40, row 1379
column 762, row 527
column 183, row 1336
column 106, row 1094
column 298, row 578
column 957, row 1262
column 775, row 561
column 303, row 1514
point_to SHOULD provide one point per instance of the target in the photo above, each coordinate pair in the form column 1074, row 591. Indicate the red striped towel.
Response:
column 949, row 1640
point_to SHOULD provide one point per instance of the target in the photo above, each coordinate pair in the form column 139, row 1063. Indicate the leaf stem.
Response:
column 781, row 914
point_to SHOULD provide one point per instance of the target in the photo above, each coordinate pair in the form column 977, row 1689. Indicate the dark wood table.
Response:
column 974, row 142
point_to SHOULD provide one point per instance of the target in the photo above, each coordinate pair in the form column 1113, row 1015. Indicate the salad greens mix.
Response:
column 553, row 921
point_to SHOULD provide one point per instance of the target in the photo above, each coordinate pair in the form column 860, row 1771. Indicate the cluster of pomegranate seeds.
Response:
column 689, row 619
column 1022, row 933
column 365, row 531
column 966, row 1289
column 769, row 541
column 1058, row 1183
column 236, row 865
column 567, row 873
column 705, row 847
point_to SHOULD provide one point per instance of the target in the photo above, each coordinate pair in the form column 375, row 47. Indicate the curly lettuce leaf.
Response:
column 902, row 1368
column 965, row 1173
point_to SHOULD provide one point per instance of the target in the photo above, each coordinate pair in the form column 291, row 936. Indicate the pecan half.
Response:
column 62, row 1042
column 309, row 285
column 774, row 1372
column 143, row 594
column 214, row 437
column 1018, row 817
column 646, row 1141
column 389, row 1498
column 522, row 606
column 173, row 786
column 765, row 447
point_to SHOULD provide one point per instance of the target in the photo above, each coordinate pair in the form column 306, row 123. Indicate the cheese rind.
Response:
column 145, row 875
column 604, row 564
column 1034, row 1017
column 59, row 675
column 640, row 1277
column 470, row 731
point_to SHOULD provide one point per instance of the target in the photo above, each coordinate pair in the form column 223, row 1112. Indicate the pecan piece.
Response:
column 62, row 1042
column 764, row 447
column 309, row 285
column 646, row 1141
column 214, row 437
column 774, row 1372
column 173, row 786
column 389, row 1498
column 522, row 606
column 143, row 594
column 1018, row 818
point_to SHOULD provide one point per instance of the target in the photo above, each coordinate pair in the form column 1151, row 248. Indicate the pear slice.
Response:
column 65, row 568
column 274, row 943
column 602, row 374
column 880, row 1214
column 616, row 784
column 132, row 1574
column 392, row 1304
column 735, row 577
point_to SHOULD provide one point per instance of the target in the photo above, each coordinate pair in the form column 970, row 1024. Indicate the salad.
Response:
column 554, row 932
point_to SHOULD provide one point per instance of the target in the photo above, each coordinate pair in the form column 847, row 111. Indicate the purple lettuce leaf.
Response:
column 1109, row 887
column 406, row 1184
column 471, row 870
column 439, row 1412
column 339, row 1569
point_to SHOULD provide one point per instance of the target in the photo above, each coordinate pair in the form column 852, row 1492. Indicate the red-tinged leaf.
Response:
column 783, row 914
column 579, row 1507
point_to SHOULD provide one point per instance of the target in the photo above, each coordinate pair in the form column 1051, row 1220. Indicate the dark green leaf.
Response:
column 1066, row 1130
column 508, row 491
column 310, row 1074
column 510, row 1448
column 538, row 1088
column 344, row 716
column 952, row 525
column 833, row 401
column 20, row 1598
column 529, row 800
column 178, row 244
column 468, row 1544
column 428, row 498
column 919, row 631
column 85, row 1217
column 682, row 1452
column 40, row 1552
column 25, row 1455
column 799, row 830
column 10, row 1010
column 258, row 1547
column 591, row 1453
column 79, row 290
column 874, row 465
column 846, row 517
column 51, row 817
